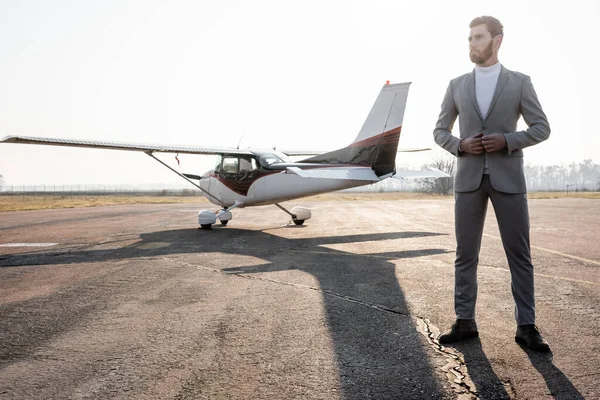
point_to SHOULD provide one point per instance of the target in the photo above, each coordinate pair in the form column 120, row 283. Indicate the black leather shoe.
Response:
column 462, row 329
column 529, row 337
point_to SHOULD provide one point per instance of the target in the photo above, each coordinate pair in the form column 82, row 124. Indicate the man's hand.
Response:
column 472, row 144
column 493, row 142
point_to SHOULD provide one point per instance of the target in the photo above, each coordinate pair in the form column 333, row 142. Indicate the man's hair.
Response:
column 494, row 26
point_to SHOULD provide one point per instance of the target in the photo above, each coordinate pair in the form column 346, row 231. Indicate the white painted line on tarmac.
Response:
column 543, row 275
column 567, row 255
column 558, row 253
column 506, row 270
column 28, row 244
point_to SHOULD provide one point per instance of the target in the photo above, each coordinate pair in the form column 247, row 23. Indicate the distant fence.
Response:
column 96, row 190
column 388, row 185
column 581, row 187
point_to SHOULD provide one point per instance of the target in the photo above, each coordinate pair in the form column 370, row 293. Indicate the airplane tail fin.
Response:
column 377, row 142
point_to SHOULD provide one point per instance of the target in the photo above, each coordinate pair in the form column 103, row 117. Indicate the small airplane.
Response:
column 248, row 177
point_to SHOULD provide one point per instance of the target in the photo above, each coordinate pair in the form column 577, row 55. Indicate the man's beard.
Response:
column 482, row 58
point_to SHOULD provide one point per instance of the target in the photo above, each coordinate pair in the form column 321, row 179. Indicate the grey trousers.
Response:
column 513, row 221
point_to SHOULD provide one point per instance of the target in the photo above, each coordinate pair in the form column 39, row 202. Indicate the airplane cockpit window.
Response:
column 247, row 165
column 230, row 165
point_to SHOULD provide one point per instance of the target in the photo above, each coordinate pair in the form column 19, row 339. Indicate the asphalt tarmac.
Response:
column 135, row 302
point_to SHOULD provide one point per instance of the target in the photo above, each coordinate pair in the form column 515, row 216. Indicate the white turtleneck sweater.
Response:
column 486, row 79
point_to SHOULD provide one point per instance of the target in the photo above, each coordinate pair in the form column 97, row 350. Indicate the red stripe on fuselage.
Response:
column 241, row 186
column 388, row 137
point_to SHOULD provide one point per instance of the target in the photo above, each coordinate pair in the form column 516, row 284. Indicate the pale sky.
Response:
column 286, row 74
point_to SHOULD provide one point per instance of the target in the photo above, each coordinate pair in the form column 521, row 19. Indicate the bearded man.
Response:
column 488, row 103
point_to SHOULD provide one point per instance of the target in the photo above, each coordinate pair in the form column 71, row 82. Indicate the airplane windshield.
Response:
column 217, row 163
column 269, row 159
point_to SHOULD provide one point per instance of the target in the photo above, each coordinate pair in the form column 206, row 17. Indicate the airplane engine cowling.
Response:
column 206, row 217
column 301, row 213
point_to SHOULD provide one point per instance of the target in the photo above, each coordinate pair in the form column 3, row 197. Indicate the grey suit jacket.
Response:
column 514, row 97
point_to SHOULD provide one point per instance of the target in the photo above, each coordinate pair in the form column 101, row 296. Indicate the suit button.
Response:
column 483, row 128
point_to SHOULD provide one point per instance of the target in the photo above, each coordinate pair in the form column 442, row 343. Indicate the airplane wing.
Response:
column 412, row 150
column 363, row 173
column 292, row 153
column 421, row 173
column 345, row 173
column 303, row 152
column 123, row 146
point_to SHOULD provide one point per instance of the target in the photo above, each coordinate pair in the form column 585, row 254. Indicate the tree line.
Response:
column 582, row 176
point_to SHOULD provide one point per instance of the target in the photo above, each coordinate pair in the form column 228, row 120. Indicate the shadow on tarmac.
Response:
column 559, row 386
column 378, row 350
column 488, row 385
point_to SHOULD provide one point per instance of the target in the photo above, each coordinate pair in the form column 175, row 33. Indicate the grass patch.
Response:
column 24, row 203
column 27, row 202
column 563, row 195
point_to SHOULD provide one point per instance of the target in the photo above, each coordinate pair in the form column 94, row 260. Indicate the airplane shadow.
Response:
column 378, row 350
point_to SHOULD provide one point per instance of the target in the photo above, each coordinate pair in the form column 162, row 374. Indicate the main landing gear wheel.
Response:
column 205, row 226
column 224, row 216
column 298, row 214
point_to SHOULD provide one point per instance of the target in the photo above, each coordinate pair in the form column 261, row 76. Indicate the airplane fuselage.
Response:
column 262, row 179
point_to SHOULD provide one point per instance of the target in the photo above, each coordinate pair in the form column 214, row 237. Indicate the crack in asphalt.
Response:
column 510, row 388
column 297, row 285
column 455, row 369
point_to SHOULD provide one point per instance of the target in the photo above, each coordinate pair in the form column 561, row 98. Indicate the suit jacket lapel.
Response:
column 502, row 79
column 472, row 95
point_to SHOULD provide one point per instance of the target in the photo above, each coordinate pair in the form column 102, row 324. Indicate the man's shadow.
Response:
column 559, row 386
column 489, row 386
column 378, row 350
